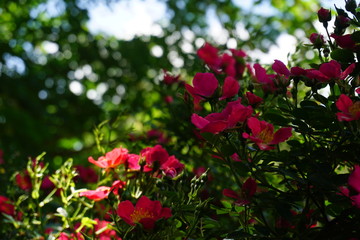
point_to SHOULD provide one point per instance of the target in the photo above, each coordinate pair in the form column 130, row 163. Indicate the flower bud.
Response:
column 317, row 40
column 341, row 23
column 326, row 52
column 350, row 6
column 324, row 15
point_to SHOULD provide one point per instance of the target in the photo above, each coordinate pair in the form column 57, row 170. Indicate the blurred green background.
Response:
column 59, row 79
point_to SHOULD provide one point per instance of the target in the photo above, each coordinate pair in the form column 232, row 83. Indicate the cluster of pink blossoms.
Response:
column 154, row 160
column 205, row 86
column 151, row 159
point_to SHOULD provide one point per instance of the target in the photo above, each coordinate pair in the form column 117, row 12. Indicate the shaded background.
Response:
column 59, row 79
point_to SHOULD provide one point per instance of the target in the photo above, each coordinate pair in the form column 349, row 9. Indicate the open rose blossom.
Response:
column 263, row 134
column 349, row 110
column 112, row 159
column 204, row 85
column 233, row 113
column 145, row 212
column 330, row 71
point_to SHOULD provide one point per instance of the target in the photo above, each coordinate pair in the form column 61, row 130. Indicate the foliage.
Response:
column 244, row 151
column 114, row 77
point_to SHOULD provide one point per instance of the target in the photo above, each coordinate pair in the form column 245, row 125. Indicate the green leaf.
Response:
column 342, row 55
column 226, row 204
column 321, row 98
column 356, row 36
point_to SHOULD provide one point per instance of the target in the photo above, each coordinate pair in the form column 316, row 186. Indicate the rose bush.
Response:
column 243, row 151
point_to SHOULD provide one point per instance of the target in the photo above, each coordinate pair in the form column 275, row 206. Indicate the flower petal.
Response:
column 231, row 88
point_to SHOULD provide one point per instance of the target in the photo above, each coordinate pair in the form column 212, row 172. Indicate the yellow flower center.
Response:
column 266, row 135
column 355, row 108
column 141, row 213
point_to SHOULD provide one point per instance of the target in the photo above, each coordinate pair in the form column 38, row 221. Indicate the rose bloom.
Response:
column 349, row 110
column 263, row 134
column 145, row 212
column 111, row 159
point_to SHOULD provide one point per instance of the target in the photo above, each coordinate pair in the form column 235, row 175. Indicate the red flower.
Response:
column 6, row 206
column 266, row 80
column 72, row 236
column 154, row 157
column 133, row 162
column 168, row 99
column 235, row 157
column 146, row 212
column 253, row 100
column 170, row 79
column 280, row 68
column 263, row 134
column 317, row 40
column 103, row 232
column 172, row 167
column 209, row 55
column 47, row 184
column 349, row 111
column 231, row 88
column 23, row 181
column 344, row 41
column 324, row 15
column 354, row 184
column 205, row 85
column 99, row 194
column 116, row 186
column 157, row 158
column 112, row 159
column 330, row 71
column 228, row 64
column 233, row 113
column 248, row 190
column 298, row 71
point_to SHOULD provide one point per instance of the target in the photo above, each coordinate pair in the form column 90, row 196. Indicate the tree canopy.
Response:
column 59, row 80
